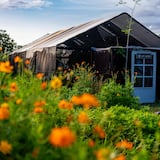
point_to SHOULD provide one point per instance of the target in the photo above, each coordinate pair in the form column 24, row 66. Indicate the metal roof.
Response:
column 138, row 32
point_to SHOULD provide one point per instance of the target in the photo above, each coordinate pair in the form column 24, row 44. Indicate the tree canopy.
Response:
column 7, row 44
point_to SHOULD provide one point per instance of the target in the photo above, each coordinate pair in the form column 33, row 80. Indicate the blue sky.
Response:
column 27, row 20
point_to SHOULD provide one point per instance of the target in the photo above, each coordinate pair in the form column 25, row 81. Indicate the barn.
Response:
column 102, row 42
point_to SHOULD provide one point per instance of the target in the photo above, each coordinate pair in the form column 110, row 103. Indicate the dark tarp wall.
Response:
column 44, row 62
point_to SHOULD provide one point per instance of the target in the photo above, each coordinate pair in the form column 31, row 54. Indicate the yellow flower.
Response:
column 13, row 87
column 5, row 147
column 5, row 105
column 124, row 144
column 83, row 117
column 6, row 67
column 17, row 59
column 102, row 154
column 4, row 113
column 118, row 94
column 63, row 104
column 159, row 124
column 18, row 101
column 61, row 137
column 56, row 83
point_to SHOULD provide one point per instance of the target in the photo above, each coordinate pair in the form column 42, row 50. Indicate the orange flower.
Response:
column 76, row 100
column 83, row 117
column 13, row 87
column 56, row 83
column 27, row 61
column 120, row 157
column 1, row 48
column 98, row 130
column 6, row 67
column 17, row 59
column 124, row 144
column 18, row 101
column 4, row 113
column 63, row 104
column 43, row 85
column 87, row 100
column 39, row 75
column 40, row 103
column 38, row 110
column 91, row 143
column 61, row 137
column 5, row 147
column 103, row 154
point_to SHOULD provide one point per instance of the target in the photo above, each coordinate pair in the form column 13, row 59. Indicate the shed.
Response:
column 103, row 43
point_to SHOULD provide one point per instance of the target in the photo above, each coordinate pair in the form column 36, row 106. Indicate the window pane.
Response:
column 149, row 59
column 148, row 82
column 138, row 60
column 138, row 82
column 148, row 70
column 138, row 70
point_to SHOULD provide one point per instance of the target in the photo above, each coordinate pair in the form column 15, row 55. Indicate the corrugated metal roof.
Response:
column 139, row 32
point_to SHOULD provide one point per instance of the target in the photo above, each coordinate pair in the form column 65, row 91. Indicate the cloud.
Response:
column 24, row 3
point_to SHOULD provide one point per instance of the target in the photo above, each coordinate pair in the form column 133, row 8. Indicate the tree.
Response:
column 7, row 44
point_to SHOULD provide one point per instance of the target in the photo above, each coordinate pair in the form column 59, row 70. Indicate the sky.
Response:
column 27, row 20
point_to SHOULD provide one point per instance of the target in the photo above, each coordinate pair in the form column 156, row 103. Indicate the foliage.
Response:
column 7, row 44
column 79, row 80
column 39, row 121
column 113, row 93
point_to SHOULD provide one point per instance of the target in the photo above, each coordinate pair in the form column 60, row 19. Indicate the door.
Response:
column 143, row 71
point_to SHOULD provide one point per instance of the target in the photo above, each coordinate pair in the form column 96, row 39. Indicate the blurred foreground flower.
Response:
column 13, row 87
column 6, row 67
column 103, row 154
column 61, row 137
column 4, row 113
column 5, row 147
column 83, row 117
